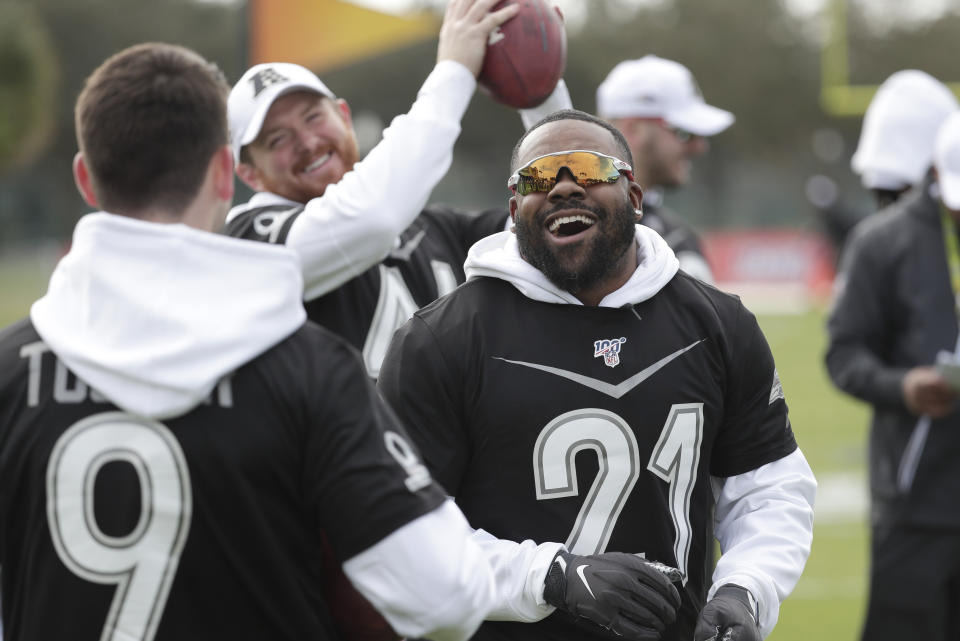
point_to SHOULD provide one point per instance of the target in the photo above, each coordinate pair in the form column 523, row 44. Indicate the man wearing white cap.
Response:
column 659, row 108
column 895, row 150
column 893, row 342
column 371, row 253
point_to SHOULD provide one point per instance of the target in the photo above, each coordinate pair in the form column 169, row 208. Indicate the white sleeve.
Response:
column 428, row 578
column 519, row 570
column 354, row 225
column 559, row 99
column 764, row 523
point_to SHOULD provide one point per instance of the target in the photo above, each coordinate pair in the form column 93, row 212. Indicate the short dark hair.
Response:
column 574, row 114
column 148, row 120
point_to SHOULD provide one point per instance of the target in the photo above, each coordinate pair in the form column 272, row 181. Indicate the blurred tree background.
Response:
column 760, row 60
column 47, row 49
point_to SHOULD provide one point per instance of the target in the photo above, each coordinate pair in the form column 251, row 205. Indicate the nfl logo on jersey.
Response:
column 609, row 348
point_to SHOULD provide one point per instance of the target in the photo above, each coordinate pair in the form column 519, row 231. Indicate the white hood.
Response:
column 152, row 315
column 498, row 256
column 895, row 149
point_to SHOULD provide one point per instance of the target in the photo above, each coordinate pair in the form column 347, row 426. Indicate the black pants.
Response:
column 914, row 585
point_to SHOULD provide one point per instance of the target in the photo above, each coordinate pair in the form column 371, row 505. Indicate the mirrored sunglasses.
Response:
column 587, row 168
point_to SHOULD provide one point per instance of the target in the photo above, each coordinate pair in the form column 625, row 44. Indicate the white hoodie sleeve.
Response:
column 428, row 578
column 519, row 571
column 355, row 224
column 559, row 99
column 764, row 523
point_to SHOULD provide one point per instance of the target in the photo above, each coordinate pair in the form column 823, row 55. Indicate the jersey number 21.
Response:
column 675, row 460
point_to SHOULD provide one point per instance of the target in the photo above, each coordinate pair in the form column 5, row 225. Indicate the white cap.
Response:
column 946, row 158
column 896, row 139
column 251, row 98
column 654, row 87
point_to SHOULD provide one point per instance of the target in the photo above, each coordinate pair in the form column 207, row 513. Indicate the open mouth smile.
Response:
column 319, row 162
column 568, row 225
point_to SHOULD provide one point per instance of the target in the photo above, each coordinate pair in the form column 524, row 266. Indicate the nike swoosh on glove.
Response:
column 728, row 616
column 620, row 592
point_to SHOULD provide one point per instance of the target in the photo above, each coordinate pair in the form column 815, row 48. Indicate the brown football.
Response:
column 526, row 56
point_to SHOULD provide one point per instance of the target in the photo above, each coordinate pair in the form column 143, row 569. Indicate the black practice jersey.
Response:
column 367, row 310
column 678, row 233
column 204, row 526
column 595, row 426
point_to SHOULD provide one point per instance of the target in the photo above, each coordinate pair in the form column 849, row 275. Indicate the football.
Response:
column 526, row 56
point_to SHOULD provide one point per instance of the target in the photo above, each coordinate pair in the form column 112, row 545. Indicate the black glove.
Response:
column 728, row 616
column 620, row 592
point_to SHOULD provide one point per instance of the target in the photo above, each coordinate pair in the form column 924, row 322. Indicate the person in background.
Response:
column 895, row 150
column 657, row 105
column 579, row 386
column 372, row 253
column 893, row 343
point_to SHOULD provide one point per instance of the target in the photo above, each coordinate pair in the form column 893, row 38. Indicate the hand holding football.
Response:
column 526, row 56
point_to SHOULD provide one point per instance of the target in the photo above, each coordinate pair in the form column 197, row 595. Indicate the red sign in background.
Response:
column 772, row 270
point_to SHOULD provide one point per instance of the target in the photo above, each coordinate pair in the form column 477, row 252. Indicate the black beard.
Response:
column 616, row 235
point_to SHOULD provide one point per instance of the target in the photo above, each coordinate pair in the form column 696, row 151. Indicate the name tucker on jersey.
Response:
column 68, row 389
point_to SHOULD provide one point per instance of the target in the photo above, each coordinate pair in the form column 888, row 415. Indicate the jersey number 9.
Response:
column 143, row 562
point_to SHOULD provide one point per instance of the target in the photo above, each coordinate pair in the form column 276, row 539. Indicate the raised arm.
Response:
column 355, row 223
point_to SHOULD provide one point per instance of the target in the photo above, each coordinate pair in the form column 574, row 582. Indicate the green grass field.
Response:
column 829, row 600
column 831, row 429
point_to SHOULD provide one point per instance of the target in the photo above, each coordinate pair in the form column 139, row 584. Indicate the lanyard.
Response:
column 953, row 254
